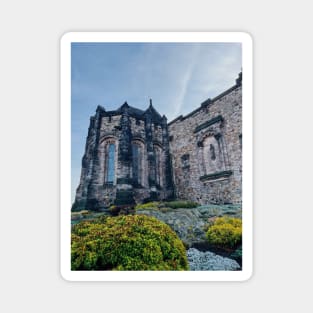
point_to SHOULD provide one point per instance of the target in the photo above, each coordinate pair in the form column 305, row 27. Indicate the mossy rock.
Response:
column 130, row 242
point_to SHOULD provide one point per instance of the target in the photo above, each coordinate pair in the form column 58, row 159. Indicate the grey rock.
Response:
column 185, row 222
column 189, row 224
column 209, row 261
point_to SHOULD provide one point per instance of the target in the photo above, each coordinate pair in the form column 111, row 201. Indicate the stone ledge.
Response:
column 223, row 174
column 212, row 121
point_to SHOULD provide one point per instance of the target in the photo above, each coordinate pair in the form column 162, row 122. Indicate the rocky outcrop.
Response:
column 215, row 210
column 189, row 224
column 209, row 261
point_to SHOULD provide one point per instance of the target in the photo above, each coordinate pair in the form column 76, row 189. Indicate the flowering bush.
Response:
column 128, row 242
column 226, row 232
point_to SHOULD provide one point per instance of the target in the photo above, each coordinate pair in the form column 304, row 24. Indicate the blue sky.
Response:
column 176, row 76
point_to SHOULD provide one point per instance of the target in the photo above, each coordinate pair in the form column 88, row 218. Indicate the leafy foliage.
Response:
column 127, row 242
column 226, row 232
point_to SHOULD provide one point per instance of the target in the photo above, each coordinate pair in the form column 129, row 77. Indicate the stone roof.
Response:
column 155, row 115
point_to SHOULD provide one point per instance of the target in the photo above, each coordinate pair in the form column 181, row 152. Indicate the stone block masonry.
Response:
column 206, row 150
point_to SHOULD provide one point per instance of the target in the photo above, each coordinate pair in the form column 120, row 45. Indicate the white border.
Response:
column 65, row 176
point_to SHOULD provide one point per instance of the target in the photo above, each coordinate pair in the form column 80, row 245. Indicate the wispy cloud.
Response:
column 184, row 82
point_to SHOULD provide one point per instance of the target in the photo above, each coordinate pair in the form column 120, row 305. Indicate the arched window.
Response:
column 158, row 166
column 110, row 163
column 137, row 166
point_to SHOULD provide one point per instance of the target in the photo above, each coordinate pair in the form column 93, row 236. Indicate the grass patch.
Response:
column 146, row 206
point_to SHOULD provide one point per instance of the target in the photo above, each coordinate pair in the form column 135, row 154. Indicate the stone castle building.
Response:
column 133, row 155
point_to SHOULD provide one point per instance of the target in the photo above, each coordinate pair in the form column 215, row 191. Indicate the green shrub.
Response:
column 226, row 232
column 130, row 242
column 149, row 205
column 180, row 204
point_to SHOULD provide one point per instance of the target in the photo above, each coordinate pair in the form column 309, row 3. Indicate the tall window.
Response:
column 110, row 163
column 136, row 163
column 158, row 165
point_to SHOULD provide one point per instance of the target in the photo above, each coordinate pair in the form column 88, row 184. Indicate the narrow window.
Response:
column 111, row 163
column 158, row 166
column 157, row 163
column 136, row 164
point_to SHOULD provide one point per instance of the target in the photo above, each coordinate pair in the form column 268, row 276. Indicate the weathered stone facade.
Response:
column 206, row 150
column 126, row 159
column 133, row 155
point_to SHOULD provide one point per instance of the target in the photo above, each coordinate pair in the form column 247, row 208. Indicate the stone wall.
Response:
column 206, row 150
